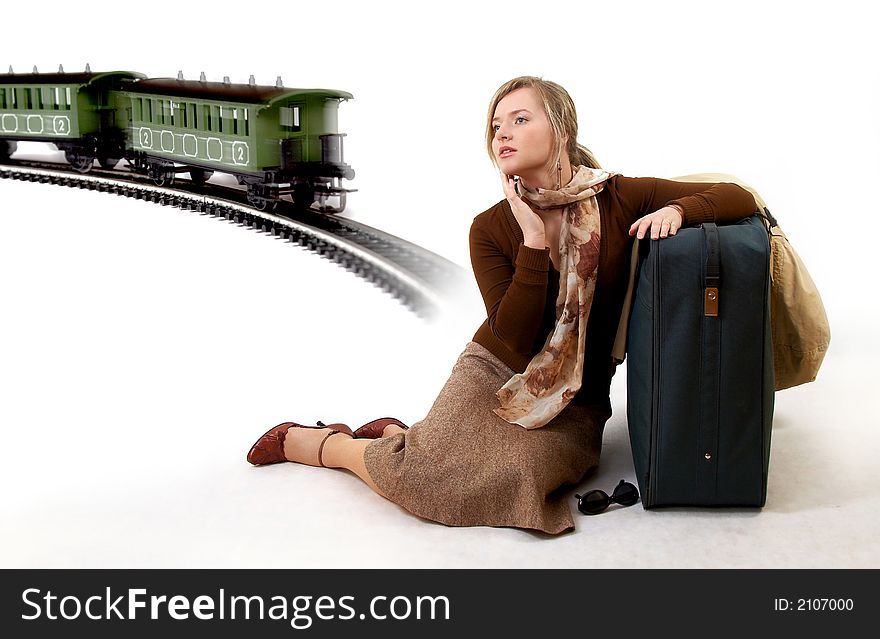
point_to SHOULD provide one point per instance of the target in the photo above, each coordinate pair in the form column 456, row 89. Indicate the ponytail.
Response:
column 583, row 156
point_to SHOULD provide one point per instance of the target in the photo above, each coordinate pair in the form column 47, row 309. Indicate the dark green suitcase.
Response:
column 700, row 367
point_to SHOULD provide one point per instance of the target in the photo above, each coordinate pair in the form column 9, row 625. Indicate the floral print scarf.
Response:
column 534, row 397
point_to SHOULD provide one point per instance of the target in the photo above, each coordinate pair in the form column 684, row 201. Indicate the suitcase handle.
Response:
column 712, row 277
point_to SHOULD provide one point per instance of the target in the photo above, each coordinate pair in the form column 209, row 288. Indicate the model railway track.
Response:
column 423, row 281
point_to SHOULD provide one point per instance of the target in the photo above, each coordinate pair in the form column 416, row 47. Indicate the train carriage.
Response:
column 73, row 111
column 275, row 140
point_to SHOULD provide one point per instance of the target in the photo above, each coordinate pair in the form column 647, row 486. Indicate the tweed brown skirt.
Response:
column 462, row 465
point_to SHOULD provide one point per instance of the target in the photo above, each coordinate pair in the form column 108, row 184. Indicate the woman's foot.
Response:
column 269, row 448
column 304, row 445
column 380, row 428
column 392, row 429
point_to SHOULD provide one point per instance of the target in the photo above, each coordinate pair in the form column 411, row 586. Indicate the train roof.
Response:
column 64, row 78
column 247, row 93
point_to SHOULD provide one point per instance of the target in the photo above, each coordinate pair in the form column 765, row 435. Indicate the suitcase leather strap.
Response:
column 712, row 277
column 710, row 369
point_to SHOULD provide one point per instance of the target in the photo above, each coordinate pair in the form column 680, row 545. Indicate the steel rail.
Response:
column 424, row 282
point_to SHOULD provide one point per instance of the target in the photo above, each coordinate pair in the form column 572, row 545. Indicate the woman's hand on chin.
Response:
column 530, row 222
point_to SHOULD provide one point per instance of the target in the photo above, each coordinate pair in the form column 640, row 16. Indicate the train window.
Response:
column 207, row 120
column 246, row 121
column 136, row 109
column 57, row 101
column 191, row 119
column 226, row 120
column 235, row 121
column 178, row 114
column 290, row 118
column 2, row 98
column 25, row 99
column 67, row 103
column 46, row 97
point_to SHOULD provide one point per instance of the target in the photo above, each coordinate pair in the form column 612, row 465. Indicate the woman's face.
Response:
column 523, row 138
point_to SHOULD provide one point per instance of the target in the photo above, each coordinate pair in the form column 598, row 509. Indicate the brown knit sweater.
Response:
column 519, row 284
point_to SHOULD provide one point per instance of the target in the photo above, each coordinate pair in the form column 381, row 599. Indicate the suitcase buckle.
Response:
column 710, row 302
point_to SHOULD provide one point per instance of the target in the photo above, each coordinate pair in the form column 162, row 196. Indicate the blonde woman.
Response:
column 520, row 419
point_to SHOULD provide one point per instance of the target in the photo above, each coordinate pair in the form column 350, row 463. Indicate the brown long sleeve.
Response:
column 514, row 293
column 702, row 202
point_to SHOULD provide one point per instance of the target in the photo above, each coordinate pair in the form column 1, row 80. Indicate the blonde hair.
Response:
column 561, row 112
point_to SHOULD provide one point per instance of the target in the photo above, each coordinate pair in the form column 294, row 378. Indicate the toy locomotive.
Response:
column 275, row 140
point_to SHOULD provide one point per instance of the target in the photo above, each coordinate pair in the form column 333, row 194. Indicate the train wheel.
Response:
column 265, row 205
column 7, row 148
column 200, row 176
column 80, row 162
column 108, row 163
column 159, row 174
column 163, row 179
column 329, row 208
column 260, row 201
column 303, row 197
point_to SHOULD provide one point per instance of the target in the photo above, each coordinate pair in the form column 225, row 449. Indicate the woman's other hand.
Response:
column 530, row 222
column 662, row 222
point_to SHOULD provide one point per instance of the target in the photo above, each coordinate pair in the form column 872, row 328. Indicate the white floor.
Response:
column 143, row 349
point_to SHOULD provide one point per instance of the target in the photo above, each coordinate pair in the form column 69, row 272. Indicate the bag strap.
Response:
column 769, row 221
column 712, row 277
column 618, row 352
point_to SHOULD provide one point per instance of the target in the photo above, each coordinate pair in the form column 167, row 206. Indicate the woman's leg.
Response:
column 340, row 450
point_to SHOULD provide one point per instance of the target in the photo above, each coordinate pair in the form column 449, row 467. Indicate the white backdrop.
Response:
column 785, row 98
column 130, row 327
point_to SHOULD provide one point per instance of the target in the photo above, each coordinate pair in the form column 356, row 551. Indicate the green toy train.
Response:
column 275, row 140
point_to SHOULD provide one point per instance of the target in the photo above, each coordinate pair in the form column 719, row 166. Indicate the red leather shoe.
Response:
column 269, row 449
column 374, row 429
